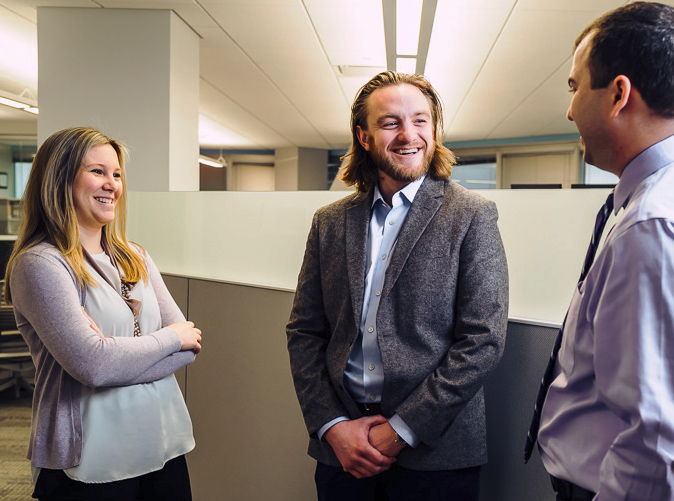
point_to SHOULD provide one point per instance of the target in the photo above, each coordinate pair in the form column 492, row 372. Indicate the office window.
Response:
column 334, row 163
column 594, row 175
column 475, row 173
column 21, row 173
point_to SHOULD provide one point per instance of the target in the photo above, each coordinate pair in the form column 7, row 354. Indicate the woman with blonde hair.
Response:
column 109, row 421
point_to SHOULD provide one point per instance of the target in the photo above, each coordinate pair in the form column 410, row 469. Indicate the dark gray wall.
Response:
column 179, row 287
column 510, row 394
column 251, row 440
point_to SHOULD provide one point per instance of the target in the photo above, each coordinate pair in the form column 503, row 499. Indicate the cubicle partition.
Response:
column 231, row 260
column 251, row 439
column 259, row 238
column 510, row 393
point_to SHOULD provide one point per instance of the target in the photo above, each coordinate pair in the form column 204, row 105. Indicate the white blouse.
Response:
column 128, row 431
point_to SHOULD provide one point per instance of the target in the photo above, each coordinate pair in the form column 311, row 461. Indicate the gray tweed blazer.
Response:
column 441, row 321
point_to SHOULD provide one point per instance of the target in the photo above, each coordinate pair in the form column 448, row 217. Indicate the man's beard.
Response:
column 402, row 175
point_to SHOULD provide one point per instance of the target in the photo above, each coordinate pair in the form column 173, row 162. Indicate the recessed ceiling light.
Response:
column 12, row 103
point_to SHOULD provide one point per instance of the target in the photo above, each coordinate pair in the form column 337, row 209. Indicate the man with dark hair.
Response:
column 400, row 311
column 607, row 423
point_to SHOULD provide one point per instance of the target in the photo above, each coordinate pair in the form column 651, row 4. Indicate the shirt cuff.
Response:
column 329, row 425
column 404, row 431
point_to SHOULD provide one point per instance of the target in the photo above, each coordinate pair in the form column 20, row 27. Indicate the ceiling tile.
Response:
column 463, row 36
column 351, row 31
column 225, row 67
column 571, row 5
column 526, row 119
column 18, row 64
column 271, row 76
column 189, row 11
column 230, row 116
column 532, row 47
column 20, row 8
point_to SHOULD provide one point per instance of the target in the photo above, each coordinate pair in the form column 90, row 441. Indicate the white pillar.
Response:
column 132, row 74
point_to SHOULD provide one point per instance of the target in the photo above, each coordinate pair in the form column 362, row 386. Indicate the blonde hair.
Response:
column 49, row 210
column 360, row 171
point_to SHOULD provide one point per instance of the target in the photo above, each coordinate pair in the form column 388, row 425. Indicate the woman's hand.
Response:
column 190, row 336
column 92, row 324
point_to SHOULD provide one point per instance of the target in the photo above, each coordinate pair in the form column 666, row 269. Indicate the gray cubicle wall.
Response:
column 251, row 440
column 510, row 394
column 179, row 287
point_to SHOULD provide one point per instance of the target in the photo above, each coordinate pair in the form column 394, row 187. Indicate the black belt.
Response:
column 569, row 490
column 370, row 409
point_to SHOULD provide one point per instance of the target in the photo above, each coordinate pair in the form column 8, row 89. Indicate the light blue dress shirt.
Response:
column 364, row 373
column 608, row 420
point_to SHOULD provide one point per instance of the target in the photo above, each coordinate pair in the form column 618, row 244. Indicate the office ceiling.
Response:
column 277, row 73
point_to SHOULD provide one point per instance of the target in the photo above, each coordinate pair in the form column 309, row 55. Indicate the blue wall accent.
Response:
column 217, row 151
column 509, row 141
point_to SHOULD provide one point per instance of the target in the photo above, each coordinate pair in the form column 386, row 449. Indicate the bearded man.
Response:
column 400, row 311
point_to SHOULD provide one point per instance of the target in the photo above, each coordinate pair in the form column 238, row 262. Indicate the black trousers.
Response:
column 398, row 484
column 568, row 491
column 171, row 483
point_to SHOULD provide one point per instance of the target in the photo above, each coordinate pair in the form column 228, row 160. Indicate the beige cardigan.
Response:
column 68, row 354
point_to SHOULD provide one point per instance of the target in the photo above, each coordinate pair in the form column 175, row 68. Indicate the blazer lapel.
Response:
column 357, row 222
column 426, row 203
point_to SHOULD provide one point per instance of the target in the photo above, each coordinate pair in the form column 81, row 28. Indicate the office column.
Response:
column 132, row 74
column 301, row 169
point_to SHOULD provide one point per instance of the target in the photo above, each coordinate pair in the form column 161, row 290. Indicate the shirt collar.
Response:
column 647, row 162
column 409, row 191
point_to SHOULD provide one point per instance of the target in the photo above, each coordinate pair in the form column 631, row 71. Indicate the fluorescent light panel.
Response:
column 12, row 103
column 406, row 65
column 408, row 22
column 210, row 162
column 18, row 105
column 407, row 32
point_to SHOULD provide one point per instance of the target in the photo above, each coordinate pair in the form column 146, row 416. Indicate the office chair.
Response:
column 14, row 354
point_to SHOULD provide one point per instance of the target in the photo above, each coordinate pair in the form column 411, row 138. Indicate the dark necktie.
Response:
column 532, row 435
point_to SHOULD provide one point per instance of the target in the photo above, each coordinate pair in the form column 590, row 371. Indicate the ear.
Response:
column 621, row 92
column 363, row 137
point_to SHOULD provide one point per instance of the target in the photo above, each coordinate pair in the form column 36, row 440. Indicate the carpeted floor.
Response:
column 15, row 477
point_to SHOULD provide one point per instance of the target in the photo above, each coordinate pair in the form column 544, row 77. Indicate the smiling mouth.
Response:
column 407, row 151
column 103, row 200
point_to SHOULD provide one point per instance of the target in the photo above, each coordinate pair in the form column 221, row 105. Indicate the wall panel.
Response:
column 179, row 287
column 510, row 395
column 251, row 439
column 259, row 238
